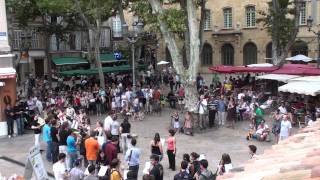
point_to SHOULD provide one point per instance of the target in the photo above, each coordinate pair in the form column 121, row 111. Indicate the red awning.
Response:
column 7, row 73
column 298, row 69
column 241, row 69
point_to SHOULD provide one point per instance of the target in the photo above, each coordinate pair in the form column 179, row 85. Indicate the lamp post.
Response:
column 132, row 38
column 309, row 23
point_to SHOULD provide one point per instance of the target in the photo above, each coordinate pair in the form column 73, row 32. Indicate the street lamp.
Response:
column 309, row 24
column 132, row 38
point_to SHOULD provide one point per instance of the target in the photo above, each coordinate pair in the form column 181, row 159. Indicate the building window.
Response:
column 34, row 40
column 116, row 26
column 105, row 37
column 249, row 54
column 207, row 20
column 206, row 58
column 17, row 42
column 299, row 47
column 227, row 54
column 251, row 16
column 227, row 15
column 302, row 20
column 269, row 53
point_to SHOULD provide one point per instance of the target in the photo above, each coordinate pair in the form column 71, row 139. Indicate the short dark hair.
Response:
column 171, row 132
column 133, row 141
column 184, row 165
column 195, row 155
column 91, row 168
column 92, row 134
column 114, row 163
column 186, row 157
column 204, row 163
column 253, row 148
column 61, row 156
column 114, row 139
column 154, row 157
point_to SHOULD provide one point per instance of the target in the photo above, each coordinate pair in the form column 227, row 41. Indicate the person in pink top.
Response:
column 171, row 150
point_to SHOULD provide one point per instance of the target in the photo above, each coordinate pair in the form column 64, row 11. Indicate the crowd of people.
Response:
column 62, row 115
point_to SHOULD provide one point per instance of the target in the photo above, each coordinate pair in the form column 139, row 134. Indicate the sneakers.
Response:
column 9, row 136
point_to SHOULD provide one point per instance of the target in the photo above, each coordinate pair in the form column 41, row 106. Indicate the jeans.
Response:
column 172, row 159
column 221, row 117
column 49, row 151
column 20, row 125
column 63, row 149
column 55, row 151
column 36, row 139
column 202, row 120
column 10, row 127
column 172, row 104
column 134, row 169
column 125, row 142
column 72, row 158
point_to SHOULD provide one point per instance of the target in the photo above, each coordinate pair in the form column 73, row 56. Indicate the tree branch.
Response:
column 83, row 17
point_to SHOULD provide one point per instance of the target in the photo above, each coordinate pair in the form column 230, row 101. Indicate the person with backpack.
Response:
column 204, row 173
column 183, row 174
column 114, row 172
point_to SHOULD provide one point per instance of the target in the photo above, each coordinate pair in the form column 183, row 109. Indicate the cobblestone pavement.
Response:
column 211, row 142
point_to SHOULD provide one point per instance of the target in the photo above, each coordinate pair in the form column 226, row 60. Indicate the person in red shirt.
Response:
column 92, row 149
column 111, row 150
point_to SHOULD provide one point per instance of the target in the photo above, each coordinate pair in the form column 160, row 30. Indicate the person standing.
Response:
column 46, row 136
column 63, row 135
column 188, row 121
column 171, row 150
column 125, row 131
column 18, row 110
column 59, row 168
column 10, row 119
column 156, row 146
column 132, row 156
column 202, row 107
column 221, row 111
column 204, row 173
column 110, row 150
column 55, row 142
column 77, row 173
column 115, row 130
column 114, row 172
column 212, row 106
column 258, row 115
column 231, row 113
column 37, row 131
column 157, row 168
column 285, row 130
column 72, row 149
column 276, row 126
column 183, row 174
column 92, row 149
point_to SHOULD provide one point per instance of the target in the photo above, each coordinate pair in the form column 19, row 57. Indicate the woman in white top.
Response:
column 225, row 164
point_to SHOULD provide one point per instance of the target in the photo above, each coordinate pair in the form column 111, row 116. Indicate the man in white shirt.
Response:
column 285, row 129
column 107, row 123
column 283, row 109
column 70, row 112
column 202, row 105
column 59, row 169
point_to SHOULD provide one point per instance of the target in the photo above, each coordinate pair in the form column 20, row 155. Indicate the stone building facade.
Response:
column 233, row 37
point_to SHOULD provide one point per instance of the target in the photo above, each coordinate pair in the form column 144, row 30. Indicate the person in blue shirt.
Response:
column 46, row 136
column 221, row 111
column 72, row 149
column 133, row 157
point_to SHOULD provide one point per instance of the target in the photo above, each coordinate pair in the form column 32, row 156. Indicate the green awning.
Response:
column 69, row 61
column 93, row 71
column 109, row 58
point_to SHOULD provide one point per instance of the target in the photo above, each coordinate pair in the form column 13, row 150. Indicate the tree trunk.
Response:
column 168, row 38
column 194, row 41
column 47, row 48
column 191, row 96
column 97, row 34
column 120, row 11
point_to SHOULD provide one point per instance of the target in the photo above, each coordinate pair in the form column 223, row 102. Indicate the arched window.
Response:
column 299, row 47
column 250, row 16
column 227, row 54
column 249, row 53
column 206, row 58
column 168, row 55
column 269, row 53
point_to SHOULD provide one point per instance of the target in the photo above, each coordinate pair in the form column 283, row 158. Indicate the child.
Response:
column 176, row 122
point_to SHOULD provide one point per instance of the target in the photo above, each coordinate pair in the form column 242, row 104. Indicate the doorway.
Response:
column 39, row 67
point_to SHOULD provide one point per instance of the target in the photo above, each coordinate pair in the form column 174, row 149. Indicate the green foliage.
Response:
column 175, row 19
column 283, row 19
